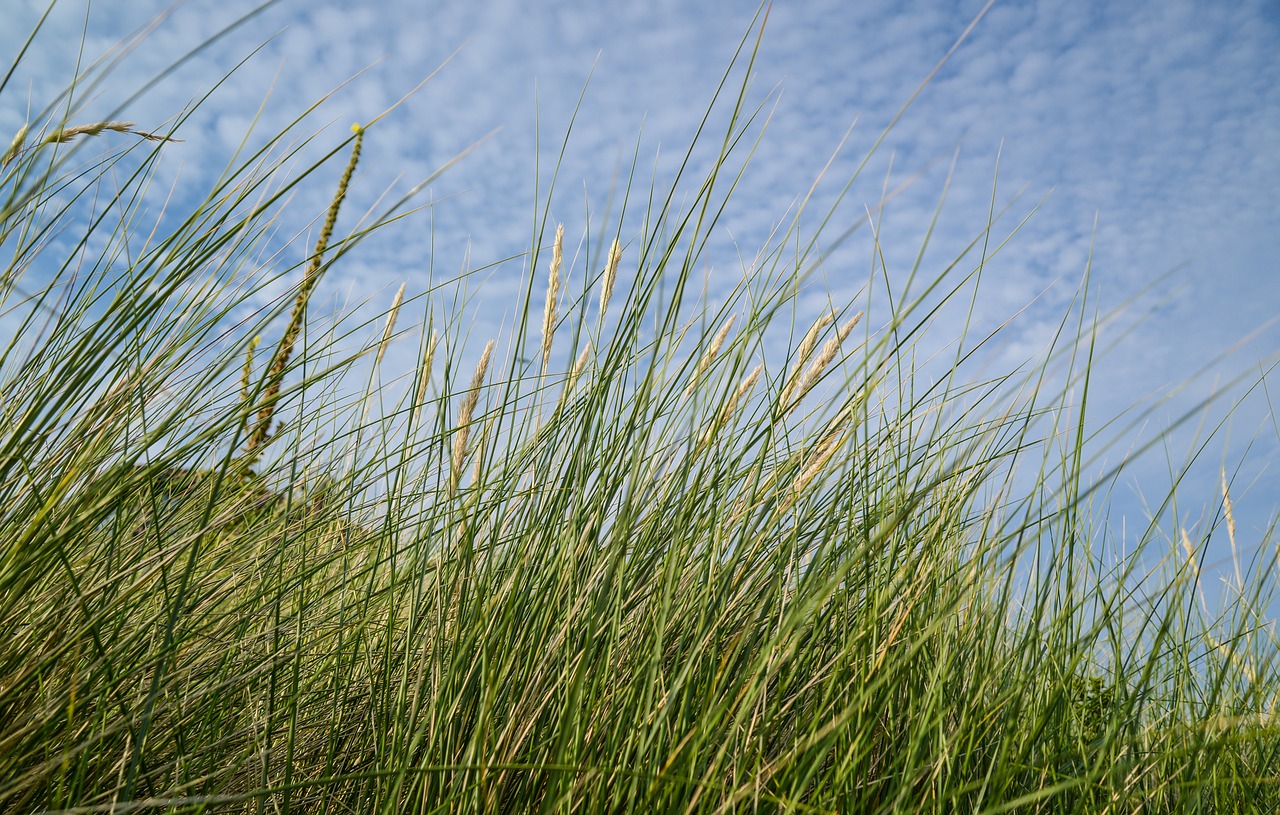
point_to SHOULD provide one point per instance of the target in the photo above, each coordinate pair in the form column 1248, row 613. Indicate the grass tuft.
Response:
column 665, row 587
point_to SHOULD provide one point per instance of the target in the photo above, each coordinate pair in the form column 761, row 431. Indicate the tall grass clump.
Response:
column 638, row 564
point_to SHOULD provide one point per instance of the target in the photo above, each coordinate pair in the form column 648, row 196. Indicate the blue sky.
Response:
column 1159, row 119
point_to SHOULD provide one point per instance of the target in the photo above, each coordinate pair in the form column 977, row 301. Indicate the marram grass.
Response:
column 680, row 575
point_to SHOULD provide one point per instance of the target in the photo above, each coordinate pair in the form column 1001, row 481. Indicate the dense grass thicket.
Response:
column 636, row 556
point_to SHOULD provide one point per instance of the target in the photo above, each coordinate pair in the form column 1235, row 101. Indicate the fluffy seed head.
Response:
column 793, row 395
column 807, row 345
column 553, row 292
column 610, row 275
column 810, row 340
column 391, row 325
column 743, row 389
column 15, row 147
column 726, row 412
column 464, row 417
column 580, row 363
column 709, row 356
column 821, row 455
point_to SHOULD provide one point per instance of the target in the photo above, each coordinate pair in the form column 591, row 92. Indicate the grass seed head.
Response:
column 727, row 410
column 810, row 340
column 822, row 454
column 245, row 375
column 62, row 135
column 1229, row 512
column 580, row 363
column 709, row 356
column 610, row 275
column 553, row 292
column 464, row 417
column 15, row 147
column 391, row 325
column 793, row 395
column 279, row 363
column 578, row 367
column 743, row 389
column 807, row 345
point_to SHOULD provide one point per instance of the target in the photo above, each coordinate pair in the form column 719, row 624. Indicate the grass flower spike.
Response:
column 465, row 412
column 280, row 361
column 553, row 292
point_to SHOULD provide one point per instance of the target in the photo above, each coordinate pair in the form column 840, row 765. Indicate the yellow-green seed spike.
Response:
column 275, row 374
